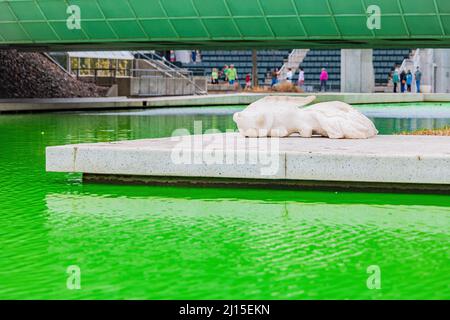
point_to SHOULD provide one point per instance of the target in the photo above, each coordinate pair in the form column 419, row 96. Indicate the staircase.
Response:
column 384, row 62
column 410, row 63
column 293, row 62
column 160, row 66
column 316, row 59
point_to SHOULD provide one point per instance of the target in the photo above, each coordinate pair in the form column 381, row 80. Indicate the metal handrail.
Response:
column 155, row 56
column 151, row 56
column 294, row 53
column 171, row 73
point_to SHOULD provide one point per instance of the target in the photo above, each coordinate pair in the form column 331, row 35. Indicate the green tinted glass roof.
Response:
column 225, row 23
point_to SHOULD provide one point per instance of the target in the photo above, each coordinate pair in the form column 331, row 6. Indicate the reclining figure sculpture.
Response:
column 282, row 116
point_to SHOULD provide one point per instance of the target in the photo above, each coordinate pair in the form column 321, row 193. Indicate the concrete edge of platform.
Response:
column 46, row 105
column 376, row 163
column 307, row 185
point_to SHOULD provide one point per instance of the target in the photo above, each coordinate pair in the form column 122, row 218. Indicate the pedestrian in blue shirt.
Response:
column 418, row 77
column 409, row 80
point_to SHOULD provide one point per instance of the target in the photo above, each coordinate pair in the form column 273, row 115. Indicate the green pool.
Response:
column 187, row 243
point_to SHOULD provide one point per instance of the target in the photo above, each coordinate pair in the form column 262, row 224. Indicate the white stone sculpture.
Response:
column 282, row 116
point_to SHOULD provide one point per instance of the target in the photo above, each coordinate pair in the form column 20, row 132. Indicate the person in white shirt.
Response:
column 289, row 75
column 301, row 78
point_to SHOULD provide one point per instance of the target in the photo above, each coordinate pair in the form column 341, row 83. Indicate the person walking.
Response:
column 248, row 81
column 418, row 77
column 194, row 56
column 289, row 75
column 232, row 75
column 226, row 70
column 215, row 76
column 409, row 80
column 323, row 80
column 301, row 78
column 396, row 80
column 275, row 74
column 403, row 81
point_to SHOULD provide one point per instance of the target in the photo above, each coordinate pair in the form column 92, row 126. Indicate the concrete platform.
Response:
column 394, row 163
column 27, row 105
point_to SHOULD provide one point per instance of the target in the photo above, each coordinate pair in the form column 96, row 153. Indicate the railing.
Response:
column 294, row 60
column 170, row 70
column 148, row 82
column 168, row 73
column 409, row 63
column 155, row 57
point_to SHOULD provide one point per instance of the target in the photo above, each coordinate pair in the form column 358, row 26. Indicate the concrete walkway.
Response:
column 26, row 105
column 400, row 163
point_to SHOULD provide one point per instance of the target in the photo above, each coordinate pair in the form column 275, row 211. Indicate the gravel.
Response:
column 33, row 75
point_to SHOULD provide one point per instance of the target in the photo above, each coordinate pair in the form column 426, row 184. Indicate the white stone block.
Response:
column 391, row 159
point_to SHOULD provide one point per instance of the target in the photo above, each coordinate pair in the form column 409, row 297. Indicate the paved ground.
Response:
column 384, row 159
column 20, row 105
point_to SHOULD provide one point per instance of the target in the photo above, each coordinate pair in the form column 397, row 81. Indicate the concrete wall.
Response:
column 152, row 86
column 123, row 84
column 141, row 64
column 435, row 66
column 159, row 86
column 426, row 64
column 222, row 88
column 201, row 83
column 156, row 86
column 15, row 105
column 442, row 80
column 357, row 72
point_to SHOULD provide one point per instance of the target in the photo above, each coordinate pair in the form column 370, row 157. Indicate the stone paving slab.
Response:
column 383, row 159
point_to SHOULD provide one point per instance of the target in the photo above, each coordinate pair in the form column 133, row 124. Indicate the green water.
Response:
column 186, row 243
